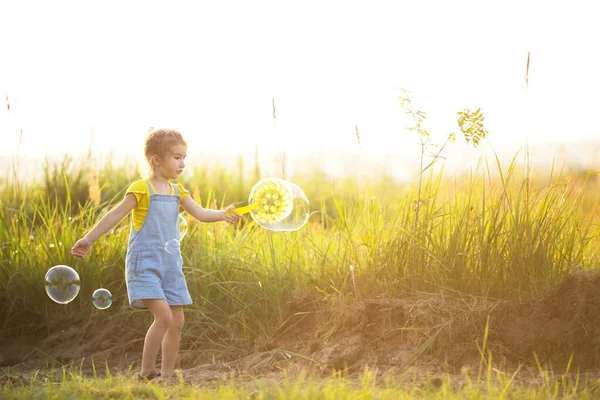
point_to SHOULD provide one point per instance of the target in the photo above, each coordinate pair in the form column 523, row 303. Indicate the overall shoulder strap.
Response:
column 150, row 188
column 176, row 189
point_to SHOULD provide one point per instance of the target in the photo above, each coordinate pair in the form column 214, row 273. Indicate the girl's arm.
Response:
column 204, row 215
column 109, row 220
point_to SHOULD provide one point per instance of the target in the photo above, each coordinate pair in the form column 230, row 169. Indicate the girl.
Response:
column 154, row 276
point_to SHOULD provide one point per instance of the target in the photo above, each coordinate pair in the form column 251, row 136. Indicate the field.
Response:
column 483, row 285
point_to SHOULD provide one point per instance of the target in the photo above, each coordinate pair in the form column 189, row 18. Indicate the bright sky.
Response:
column 210, row 69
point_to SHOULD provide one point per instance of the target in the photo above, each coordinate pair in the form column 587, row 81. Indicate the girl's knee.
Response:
column 165, row 320
column 172, row 320
column 177, row 322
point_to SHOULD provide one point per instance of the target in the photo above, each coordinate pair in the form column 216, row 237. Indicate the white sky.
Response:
column 210, row 70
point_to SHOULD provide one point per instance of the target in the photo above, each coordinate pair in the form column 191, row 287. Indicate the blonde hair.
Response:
column 160, row 142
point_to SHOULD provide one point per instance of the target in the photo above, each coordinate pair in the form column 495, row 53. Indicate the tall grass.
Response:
column 498, row 231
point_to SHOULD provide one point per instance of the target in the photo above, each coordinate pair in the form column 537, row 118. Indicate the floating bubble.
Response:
column 172, row 246
column 183, row 225
column 102, row 299
column 279, row 205
column 62, row 284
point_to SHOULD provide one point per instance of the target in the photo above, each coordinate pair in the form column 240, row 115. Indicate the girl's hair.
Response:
column 160, row 142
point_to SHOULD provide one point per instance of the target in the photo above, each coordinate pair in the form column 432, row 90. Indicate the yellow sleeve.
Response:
column 182, row 191
column 139, row 189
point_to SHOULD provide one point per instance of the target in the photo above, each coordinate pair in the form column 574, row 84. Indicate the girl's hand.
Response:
column 81, row 247
column 230, row 216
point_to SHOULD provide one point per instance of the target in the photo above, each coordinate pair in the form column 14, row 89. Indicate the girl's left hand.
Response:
column 81, row 247
column 230, row 216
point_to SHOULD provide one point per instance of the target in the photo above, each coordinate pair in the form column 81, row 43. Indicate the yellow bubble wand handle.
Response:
column 243, row 210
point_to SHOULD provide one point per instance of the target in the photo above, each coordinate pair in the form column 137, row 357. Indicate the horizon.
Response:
column 460, row 159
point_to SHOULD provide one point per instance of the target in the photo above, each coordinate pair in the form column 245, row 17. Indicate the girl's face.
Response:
column 172, row 165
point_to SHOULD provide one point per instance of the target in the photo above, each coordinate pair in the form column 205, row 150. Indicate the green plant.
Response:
column 470, row 124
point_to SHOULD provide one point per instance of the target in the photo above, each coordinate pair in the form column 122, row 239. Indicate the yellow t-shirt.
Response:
column 140, row 190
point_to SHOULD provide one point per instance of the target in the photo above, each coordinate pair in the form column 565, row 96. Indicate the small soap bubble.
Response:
column 62, row 284
column 172, row 246
column 183, row 225
column 102, row 299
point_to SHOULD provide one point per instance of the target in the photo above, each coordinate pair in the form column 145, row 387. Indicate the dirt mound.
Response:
column 442, row 333
column 383, row 332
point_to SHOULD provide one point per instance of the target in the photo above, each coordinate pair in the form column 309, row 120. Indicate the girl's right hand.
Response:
column 81, row 247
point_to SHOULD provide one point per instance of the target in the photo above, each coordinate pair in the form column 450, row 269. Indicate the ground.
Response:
column 435, row 334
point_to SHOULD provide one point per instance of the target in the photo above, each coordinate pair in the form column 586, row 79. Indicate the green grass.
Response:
column 369, row 384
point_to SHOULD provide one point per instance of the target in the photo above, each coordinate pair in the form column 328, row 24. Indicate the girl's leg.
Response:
column 163, row 319
column 170, row 342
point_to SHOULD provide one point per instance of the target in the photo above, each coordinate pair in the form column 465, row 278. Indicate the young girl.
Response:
column 154, row 276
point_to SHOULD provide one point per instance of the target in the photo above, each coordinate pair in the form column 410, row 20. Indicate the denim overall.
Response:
column 151, row 272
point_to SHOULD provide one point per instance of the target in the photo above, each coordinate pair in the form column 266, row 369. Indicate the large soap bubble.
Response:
column 62, row 284
column 277, row 205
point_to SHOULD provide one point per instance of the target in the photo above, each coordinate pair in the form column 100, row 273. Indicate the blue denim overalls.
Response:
column 151, row 272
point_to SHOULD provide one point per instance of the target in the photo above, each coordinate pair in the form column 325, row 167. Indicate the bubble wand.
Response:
column 277, row 205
